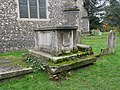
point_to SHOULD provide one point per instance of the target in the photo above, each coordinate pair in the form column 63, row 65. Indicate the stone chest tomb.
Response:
column 54, row 40
column 57, row 49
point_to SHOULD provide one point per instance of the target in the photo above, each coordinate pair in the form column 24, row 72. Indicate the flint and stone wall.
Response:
column 16, row 34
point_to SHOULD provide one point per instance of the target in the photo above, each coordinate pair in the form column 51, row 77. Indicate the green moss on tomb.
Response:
column 66, row 53
column 70, row 61
column 78, row 55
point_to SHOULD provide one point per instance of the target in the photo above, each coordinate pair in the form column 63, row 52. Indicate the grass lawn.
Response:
column 102, row 75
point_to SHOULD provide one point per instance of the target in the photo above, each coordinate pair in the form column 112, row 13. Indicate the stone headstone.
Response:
column 111, row 41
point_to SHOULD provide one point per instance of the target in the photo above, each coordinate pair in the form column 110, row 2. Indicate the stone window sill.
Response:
column 27, row 19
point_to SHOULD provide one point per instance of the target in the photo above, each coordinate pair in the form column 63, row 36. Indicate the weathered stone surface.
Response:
column 58, row 48
column 55, row 40
column 56, row 59
column 61, row 68
column 13, row 73
column 8, row 68
column 111, row 44
column 63, row 63
column 111, row 41
column 85, row 48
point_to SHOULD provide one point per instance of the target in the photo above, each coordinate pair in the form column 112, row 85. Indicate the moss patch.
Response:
column 70, row 58
column 70, row 61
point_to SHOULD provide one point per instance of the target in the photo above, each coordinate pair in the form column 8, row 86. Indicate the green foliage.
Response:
column 34, row 62
column 103, row 12
column 112, row 15
column 36, row 65
column 93, row 7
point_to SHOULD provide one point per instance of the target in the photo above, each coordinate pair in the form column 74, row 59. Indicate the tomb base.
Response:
column 66, row 61
column 57, row 49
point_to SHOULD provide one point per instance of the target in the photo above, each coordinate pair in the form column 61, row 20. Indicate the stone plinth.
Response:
column 54, row 40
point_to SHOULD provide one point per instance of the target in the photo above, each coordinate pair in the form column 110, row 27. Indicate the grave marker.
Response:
column 111, row 41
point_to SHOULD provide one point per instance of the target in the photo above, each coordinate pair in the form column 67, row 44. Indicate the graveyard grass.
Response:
column 102, row 75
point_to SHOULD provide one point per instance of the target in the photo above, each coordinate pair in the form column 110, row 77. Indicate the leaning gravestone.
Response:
column 111, row 41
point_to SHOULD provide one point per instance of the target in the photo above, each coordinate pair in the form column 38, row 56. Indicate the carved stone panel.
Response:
column 45, row 38
column 65, row 39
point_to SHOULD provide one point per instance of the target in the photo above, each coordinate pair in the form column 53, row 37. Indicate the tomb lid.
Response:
column 57, row 28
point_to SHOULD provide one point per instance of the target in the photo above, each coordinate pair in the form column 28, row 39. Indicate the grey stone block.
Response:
column 65, row 67
column 56, row 59
column 9, row 74
column 85, row 48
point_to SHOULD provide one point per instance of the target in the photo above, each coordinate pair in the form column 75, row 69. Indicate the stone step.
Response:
column 44, row 56
column 12, row 73
column 57, row 60
column 64, row 66
column 85, row 48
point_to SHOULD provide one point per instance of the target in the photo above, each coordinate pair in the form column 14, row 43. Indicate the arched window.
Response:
column 32, row 9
